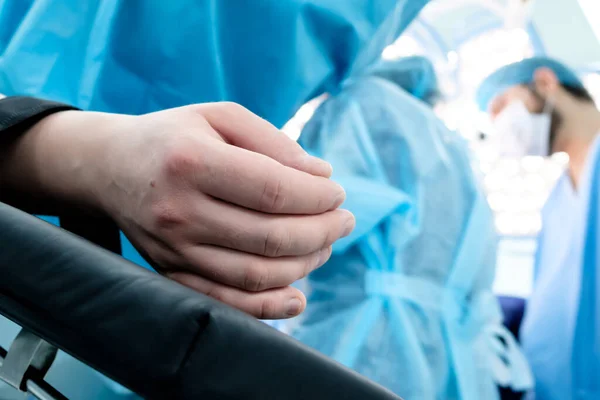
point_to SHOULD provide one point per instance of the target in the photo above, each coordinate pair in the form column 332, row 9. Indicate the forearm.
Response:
column 43, row 161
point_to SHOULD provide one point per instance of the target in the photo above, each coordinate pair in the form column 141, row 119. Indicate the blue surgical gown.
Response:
column 548, row 334
column 586, row 343
column 406, row 299
column 139, row 56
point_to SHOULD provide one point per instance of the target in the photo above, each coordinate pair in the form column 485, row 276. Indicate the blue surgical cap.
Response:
column 416, row 75
column 519, row 73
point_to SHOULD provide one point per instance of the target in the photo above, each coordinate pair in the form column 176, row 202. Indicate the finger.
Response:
column 225, row 225
column 244, row 129
column 278, row 303
column 251, row 272
column 257, row 182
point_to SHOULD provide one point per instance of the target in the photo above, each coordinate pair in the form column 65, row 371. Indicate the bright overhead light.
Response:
column 591, row 9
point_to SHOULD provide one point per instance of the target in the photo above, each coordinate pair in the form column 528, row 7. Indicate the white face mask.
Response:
column 519, row 133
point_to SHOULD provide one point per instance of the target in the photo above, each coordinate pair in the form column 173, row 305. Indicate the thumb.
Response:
column 241, row 128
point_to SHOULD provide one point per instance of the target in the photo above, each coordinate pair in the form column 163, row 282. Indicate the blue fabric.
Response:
column 586, row 343
column 522, row 72
column 406, row 299
column 559, row 332
column 139, row 56
column 416, row 75
column 547, row 330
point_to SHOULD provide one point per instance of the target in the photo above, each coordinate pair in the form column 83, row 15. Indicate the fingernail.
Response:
column 324, row 165
column 348, row 225
column 339, row 199
column 293, row 306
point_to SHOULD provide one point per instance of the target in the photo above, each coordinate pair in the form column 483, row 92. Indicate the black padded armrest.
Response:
column 150, row 334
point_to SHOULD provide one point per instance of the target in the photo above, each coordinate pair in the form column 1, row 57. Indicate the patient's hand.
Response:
column 213, row 196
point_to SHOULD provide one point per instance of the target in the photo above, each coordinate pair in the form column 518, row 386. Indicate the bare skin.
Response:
column 580, row 120
column 213, row 196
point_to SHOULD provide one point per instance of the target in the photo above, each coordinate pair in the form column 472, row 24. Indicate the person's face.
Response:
column 515, row 93
column 534, row 104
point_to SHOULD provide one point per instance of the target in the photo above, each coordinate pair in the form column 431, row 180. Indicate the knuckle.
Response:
column 256, row 277
column 308, row 266
column 272, row 197
column 167, row 216
column 320, row 203
column 330, row 233
column 160, row 260
column 182, row 161
column 214, row 292
column 182, row 278
column 173, row 275
column 267, row 309
column 197, row 109
column 232, row 108
column 328, row 238
column 276, row 242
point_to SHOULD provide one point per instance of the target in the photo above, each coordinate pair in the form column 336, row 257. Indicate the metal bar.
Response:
column 43, row 391
column 26, row 351
column 34, row 383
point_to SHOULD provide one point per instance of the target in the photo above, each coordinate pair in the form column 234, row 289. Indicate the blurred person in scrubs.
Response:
column 539, row 106
column 140, row 57
column 406, row 299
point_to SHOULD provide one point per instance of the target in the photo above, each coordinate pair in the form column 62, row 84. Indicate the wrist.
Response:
column 59, row 158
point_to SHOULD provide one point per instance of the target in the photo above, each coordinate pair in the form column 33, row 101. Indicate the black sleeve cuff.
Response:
column 17, row 114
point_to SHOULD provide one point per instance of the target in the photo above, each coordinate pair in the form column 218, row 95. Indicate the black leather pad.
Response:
column 150, row 334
